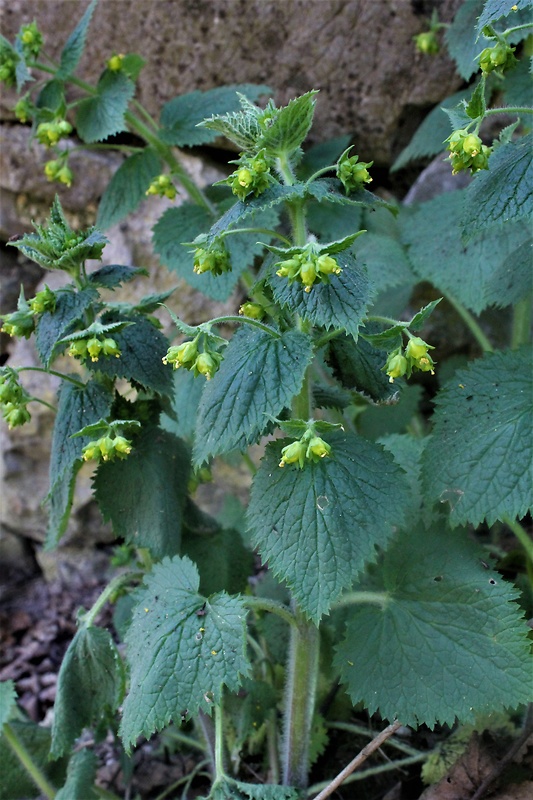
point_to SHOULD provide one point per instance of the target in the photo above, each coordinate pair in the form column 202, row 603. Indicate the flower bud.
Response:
column 121, row 446
column 115, row 63
column 327, row 265
column 43, row 301
column 472, row 144
column 308, row 274
column 396, row 365
column 78, row 349
column 427, row 43
column 15, row 416
column 252, row 310
column 110, row 348
column 416, row 348
column 289, row 268
column 293, row 453
column 181, row 355
column 317, row 448
column 207, row 364
column 94, row 348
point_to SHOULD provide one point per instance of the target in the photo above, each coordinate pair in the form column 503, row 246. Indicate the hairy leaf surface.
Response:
column 357, row 365
column 81, row 774
column 341, row 303
column 144, row 494
column 127, row 188
column 477, row 273
column 480, row 456
column 446, row 641
column 495, row 9
column 90, row 686
column 259, row 376
column 102, row 115
column 53, row 325
column 180, row 659
column 75, row 44
column 317, row 527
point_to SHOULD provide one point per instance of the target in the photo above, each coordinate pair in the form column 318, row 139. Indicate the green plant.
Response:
column 372, row 571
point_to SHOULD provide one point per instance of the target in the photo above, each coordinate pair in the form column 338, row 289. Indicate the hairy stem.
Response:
column 89, row 617
column 38, row 777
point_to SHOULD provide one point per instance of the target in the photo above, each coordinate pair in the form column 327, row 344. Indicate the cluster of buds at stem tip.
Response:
column 307, row 267
column 415, row 357
column 467, row 151
column 93, row 347
column 31, row 39
column 107, row 448
column 252, row 176
column 352, row 173
column 58, row 170
column 13, row 399
column 162, row 186
column 115, row 62
column 427, row 43
column 187, row 355
column 309, row 448
column 24, row 109
column 50, row 133
column 215, row 259
column 252, row 311
column 499, row 57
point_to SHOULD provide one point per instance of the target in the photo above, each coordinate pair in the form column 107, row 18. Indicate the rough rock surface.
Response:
column 360, row 54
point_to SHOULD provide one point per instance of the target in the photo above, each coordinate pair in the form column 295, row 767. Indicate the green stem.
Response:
column 509, row 110
column 320, row 172
column 249, row 463
column 355, row 598
column 360, row 730
column 220, row 772
column 39, row 779
column 266, row 231
column 43, row 403
column 88, row 618
column 272, row 606
column 524, row 27
column 471, row 323
column 63, row 377
column 248, row 320
column 188, row 741
column 300, row 693
column 327, row 337
column 521, row 330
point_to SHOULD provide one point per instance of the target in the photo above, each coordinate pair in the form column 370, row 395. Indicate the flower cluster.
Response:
column 309, row 448
column 427, row 43
column 188, row 355
column 500, row 57
column 58, row 170
column 115, row 62
column 308, row 266
column 467, row 151
column 252, row 311
column 93, row 347
column 415, row 357
column 50, row 133
column 215, row 259
column 24, row 109
column 162, row 186
column 31, row 39
column 351, row 172
column 21, row 322
column 252, row 176
column 107, row 448
column 13, row 399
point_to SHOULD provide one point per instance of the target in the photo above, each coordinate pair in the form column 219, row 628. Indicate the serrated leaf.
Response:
column 90, row 686
column 81, row 774
column 495, row 9
column 517, row 86
column 317, row 527
column 8, row 698
column 504, row 192
column 127, row 188
column 54, row 325
column 476, row 273
column 22, row 73
column 52, row 97
column 447, row 641
column 481, row 450
column 142, row 348
column 461, row 38
column 102, row 115
column 181, row 115
column 477, row 106
column 289, row 126
column 429, row 137
column 331, row 397
column 385, row 260
column 457, row 116
column 16, row 783
column 241, row 129
column 73, row 49
column 259, row 376
column 330, row 190
column 339, row 304
column 113, row 275
column 77, row 407
column 179, row 661
column 229, row 789
column 185, row 401
column 421, row 317
column 330, row 221
column 271, row 197
column 357, row 366
column 143, row 495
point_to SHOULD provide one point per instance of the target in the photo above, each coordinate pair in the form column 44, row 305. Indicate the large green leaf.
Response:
column 444, row 640
column 179, row 658
column 53, row 325
column 317, row 527
column 480, row 455
column 181, row 115
column 462, row 38
column 385, row 260
column 224, row 563
column 504, row 192
column 477, row 272
column 289, row 126
column 495, row 9
column 258, row 378
column 78, row 407
column 341, row 303
column 143, row 495
column 127, row 188
column 90, row 686
column 142, row 348
column 358, row 365
column 102, row 115
column 81, row 774
column 75, row 44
